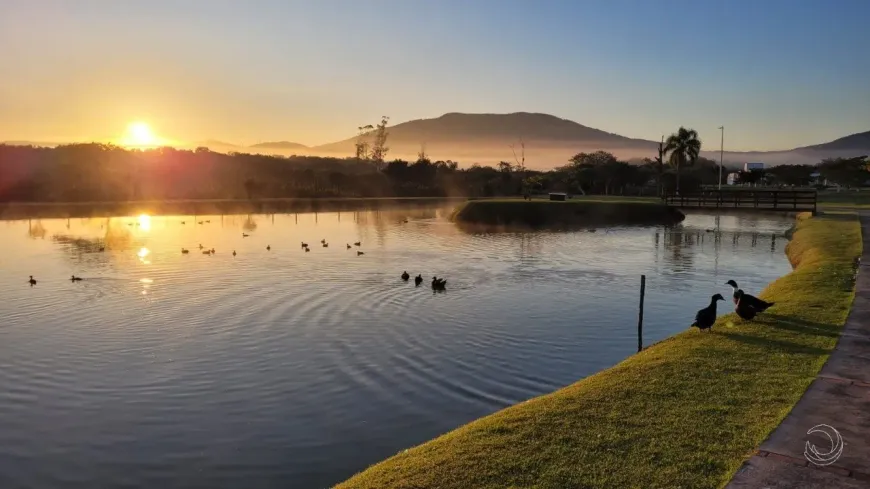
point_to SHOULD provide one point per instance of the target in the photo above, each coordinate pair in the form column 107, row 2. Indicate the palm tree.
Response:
column 683, row 147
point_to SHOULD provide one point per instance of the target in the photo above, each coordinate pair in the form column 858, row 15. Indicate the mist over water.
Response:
column 283, row 368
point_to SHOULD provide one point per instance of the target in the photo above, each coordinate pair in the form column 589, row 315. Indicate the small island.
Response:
column 518, row 214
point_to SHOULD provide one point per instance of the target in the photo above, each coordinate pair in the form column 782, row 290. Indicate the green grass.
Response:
column 513, row 213
column 844, row 199
column 685, row 412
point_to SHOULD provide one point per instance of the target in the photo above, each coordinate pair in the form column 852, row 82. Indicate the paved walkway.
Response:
column 840, row 398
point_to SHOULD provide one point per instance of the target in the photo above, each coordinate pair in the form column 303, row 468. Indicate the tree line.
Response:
column 104, row 172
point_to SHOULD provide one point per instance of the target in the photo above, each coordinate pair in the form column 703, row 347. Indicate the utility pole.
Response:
column 721, row 155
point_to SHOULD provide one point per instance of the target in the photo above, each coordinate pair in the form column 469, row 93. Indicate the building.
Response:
column 753, row 166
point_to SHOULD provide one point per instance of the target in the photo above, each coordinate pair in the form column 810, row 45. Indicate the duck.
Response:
column 358, row 243
column 182, row 222
column 439, row 283
column 705, row 318
column 304, row 244
column 748, row 300
column 405, row 276
column 208, row 221
column 418, row 280
column 323, row 241
column 348, row 246
column 245, row 235
column 359, row 253
column 212, row 251
column 269, row 248
column 102, row 249
column 206, row 252
column 742, row 308
column 32, row 281
column 201, row 246
column 184, row 251
column 326, row 245
column 200, row 222
column 234, row 252
column 307, row 250
column 75, row 279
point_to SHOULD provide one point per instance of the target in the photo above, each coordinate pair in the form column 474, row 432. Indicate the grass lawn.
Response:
column 685, row 412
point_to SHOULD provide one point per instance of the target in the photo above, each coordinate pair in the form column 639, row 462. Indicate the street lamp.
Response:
column 721, row 155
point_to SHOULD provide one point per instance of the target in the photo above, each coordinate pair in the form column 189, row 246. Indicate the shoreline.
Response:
column 62, row 210
column 685, row 412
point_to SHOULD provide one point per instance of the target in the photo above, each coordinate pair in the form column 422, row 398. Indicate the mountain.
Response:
column 855, row 142
column 550, row 141
column 487, row 138
column 279, row 145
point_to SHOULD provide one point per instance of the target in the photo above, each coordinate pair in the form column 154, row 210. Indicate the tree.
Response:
column 792, row 174
column 684, row 147
column 250, row 187
column 848, row 172
column 362, row 145
column 379, row 146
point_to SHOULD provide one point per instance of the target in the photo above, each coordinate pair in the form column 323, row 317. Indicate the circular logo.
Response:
column 817, row 457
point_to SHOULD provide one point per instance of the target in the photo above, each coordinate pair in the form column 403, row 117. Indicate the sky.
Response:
column 776, row 74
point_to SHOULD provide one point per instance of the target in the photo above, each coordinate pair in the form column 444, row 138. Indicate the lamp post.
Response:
column 721, row 155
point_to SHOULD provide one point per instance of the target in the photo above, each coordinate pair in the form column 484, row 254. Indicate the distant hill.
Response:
column 279, row 145
column 487, row 138
column 859, row 142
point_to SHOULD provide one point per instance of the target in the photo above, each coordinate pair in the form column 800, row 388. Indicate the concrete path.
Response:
column 839, row 398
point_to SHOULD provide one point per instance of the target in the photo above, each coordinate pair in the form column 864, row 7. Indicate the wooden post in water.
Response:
column 640, row 314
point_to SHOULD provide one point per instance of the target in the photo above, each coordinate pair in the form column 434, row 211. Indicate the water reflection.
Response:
column 327, row 361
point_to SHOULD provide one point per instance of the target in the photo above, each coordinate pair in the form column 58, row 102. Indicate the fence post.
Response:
column 640, row 314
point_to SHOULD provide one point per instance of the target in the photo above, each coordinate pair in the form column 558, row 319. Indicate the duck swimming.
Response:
column 206, row 252
column 184, row 251
column 326, row 245
column 304, row 244
column 439, row 283
column 405, row 276
column 245, row 235
column 348, row 246
column 359, row 253
column 358, row 243
column 234, row 252
column 269, row 248
column 32, row 281
column 748, row 300
column 75, row 279
column 418, row 280
column 705, row 318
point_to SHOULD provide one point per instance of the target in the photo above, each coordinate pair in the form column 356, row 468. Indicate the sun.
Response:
column 140, row 134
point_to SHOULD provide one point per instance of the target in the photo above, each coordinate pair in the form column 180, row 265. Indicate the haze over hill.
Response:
column 549, row 142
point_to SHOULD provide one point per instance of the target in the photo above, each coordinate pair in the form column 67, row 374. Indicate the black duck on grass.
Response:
column 705, row 318
column 743, row 308
column 748, row 300
column 418, row 280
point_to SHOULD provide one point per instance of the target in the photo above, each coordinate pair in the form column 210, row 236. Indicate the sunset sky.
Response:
column 776, row 73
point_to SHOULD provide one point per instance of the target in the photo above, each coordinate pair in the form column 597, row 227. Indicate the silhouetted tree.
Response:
column 683, row 147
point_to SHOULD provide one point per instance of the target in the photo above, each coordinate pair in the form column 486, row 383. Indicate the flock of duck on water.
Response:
column 437, row 283
column 746, row 306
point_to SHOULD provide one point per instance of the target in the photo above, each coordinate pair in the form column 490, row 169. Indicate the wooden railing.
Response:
column 767, row 200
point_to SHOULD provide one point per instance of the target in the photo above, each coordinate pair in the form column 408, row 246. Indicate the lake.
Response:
column 285, row 368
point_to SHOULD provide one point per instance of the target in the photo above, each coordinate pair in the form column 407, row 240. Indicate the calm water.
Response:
column 289, row 369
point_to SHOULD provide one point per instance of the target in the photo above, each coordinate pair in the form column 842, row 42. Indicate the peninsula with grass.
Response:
column 516, row 213
column 685, row 412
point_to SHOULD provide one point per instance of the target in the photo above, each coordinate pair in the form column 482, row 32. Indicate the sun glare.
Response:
column 145, row 222
column 140, row 134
